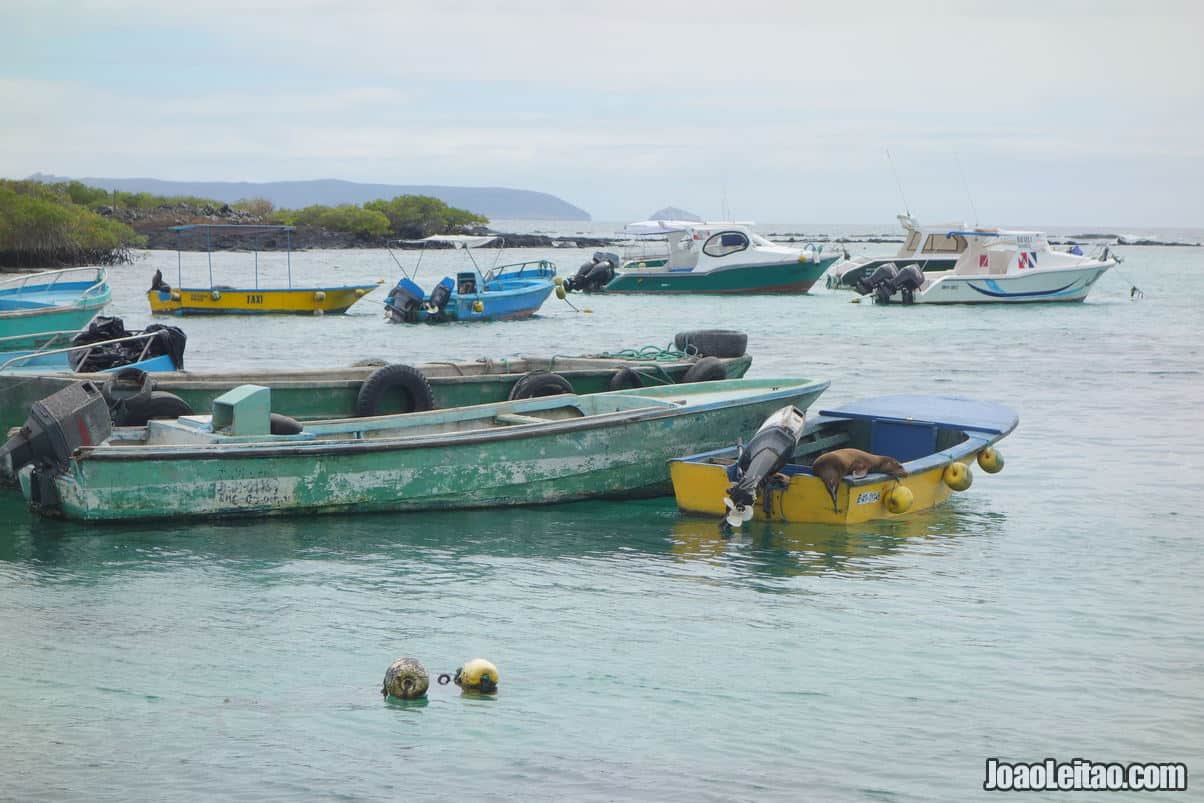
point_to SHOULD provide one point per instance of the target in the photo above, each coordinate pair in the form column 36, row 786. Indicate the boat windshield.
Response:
column 943, row 244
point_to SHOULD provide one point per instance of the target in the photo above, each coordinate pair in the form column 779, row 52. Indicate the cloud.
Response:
column 612, row 103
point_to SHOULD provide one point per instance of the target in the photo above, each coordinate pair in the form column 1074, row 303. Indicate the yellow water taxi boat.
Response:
column 224, row 300
column 934, row 440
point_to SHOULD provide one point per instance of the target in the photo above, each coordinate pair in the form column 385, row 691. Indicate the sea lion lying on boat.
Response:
column 833, row 466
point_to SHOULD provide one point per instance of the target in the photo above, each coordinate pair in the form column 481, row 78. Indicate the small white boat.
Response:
column 925, row 246
column 997, row 266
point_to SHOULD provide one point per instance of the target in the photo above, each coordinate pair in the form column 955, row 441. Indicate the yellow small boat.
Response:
column 937, row 439
column 222, row 300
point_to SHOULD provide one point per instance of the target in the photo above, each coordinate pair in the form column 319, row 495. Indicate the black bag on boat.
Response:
column 169, row 340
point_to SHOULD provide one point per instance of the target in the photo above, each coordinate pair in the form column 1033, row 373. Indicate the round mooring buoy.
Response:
column 477, row 675
column 406, row 679
column 957, row 476
column 900, row 499
column 990, row 460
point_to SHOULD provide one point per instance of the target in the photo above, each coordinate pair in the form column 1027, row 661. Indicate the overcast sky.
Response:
column 1059, row 112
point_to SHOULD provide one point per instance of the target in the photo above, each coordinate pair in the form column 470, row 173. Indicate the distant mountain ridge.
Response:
column 493, row 202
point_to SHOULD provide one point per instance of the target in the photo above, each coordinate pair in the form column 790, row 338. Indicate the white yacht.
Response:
column 996, row 266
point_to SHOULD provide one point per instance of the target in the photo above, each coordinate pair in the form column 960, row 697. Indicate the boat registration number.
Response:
column 866, row 497
column 255, row 299
column 258, row 492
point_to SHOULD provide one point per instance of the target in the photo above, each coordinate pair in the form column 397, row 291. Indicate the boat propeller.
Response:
column 737, row 514
column 769, row 450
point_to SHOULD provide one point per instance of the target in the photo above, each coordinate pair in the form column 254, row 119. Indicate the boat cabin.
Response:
column 930, row 241
column 689, row 244
column 996, row 252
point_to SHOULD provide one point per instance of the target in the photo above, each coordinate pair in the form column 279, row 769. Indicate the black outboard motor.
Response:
column 404, row 301
column 75, row 416
column 595, row 274
column 440, row 296
column 879, row 282
column 769, row 450
column 910, row 279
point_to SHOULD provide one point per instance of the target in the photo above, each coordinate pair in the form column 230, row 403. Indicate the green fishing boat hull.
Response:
column 784, row 277
column 332, row 393
column 619, row 454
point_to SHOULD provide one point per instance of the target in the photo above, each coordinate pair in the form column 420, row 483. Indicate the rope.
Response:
column 647, row 354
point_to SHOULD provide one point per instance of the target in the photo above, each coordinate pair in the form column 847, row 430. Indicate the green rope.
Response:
column 647, row 354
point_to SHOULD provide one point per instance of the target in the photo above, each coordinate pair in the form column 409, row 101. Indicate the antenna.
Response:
column 966, row 185
column 906, row 208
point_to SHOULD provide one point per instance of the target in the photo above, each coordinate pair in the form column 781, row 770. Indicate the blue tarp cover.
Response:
column 946, row 411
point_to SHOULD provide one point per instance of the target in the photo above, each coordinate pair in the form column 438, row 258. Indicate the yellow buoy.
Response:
column 478, row 306
column 990, row 460
column 900, row 499
column 216, row 295
column 406, row 679
column 560, row 293
column 957, row 476
column 477, row 675
column 319, row 295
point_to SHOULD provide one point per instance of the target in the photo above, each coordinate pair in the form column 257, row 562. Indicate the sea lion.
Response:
column 833, row 466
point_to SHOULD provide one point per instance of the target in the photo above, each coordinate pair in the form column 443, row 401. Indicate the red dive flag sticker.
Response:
column 982, row 260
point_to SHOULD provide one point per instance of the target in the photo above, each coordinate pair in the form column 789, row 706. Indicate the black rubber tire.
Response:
column 160, row 404
column 539, row 383
column 415, row 390
column 708, row 369
column 283, row 425
column 624, row 379
column 712, row 342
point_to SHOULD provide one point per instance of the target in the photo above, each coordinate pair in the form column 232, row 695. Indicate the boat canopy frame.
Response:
column 238, row 228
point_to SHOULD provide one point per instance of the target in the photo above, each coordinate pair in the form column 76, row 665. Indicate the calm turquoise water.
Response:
column 1053, row 610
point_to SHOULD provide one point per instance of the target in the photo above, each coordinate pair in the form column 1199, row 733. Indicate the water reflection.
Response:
column 469, row 542
column 579, row 529
column 785, row 549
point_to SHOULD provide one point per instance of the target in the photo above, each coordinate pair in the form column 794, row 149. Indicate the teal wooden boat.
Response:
column 314, row 394
column 35, row 306
column 535, row 451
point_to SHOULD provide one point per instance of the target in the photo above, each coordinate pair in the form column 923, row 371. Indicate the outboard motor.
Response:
column 879, row 282
column 769, row 450
column 910, row 279
column 440, row 296
column 75, row 416
column 595, row 274
column 404, row 301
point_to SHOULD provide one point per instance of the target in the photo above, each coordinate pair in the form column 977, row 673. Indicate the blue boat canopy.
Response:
column 943, row 411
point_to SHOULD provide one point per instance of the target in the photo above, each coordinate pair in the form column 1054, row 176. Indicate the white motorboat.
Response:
column 996, row 266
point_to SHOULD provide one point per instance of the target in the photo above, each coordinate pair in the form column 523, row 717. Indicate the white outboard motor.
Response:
column 769, row 450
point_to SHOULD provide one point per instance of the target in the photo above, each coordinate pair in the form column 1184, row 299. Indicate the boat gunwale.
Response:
column 772, row 390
